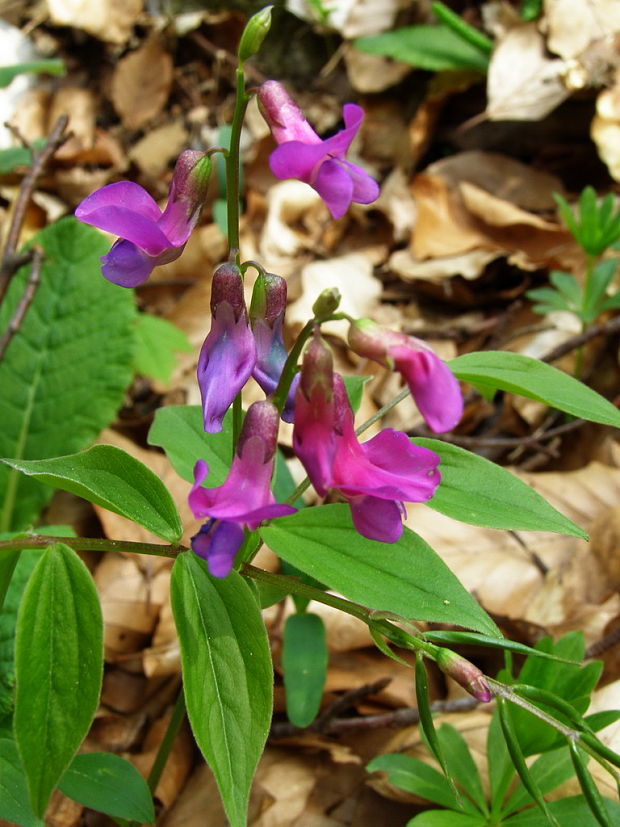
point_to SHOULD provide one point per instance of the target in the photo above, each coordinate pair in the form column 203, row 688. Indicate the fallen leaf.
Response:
column 109, row 20
column 141, row 83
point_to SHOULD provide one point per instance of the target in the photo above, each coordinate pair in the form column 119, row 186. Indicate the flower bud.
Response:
column 464, row 673
column 254, row 33
column 261, row 422
column 326, row 304
column 227, row 286
column 268, row 299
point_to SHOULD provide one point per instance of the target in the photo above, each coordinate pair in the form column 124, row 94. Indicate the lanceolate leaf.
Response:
column 227, row 675
column 14, row 804
column 407, row 578
column 304, row 660
column 178, row 429
column 64, row 373
column 58, row 667
column 109, row 784
column 110, row 477
column 501, row 370
column 477, row 491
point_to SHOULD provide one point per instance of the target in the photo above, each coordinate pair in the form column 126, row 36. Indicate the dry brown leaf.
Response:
column 62, row 811
column 373, row 73
column 141, row 83
column 572, row 25
column 109, row 20
column 353, row 670
column 352, row 18
column 178, row 765
column 523, row 83
column 159, row 147
column 469, row 265
column 605, row 128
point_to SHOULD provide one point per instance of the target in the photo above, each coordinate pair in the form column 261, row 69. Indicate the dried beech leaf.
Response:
column 523, row 83
column 572, row 25
column 141, row 83
column 109, row 20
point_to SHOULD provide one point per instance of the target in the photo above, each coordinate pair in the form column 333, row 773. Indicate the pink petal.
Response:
column 377, row 519
column 126, row 265
column 339, row 143
column 295, row 159
column 365, row 189
column 123, row 194
column 433, row 386
column 129, row 225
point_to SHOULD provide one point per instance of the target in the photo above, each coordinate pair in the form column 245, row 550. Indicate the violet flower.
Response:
column 321, row 163
column 266, row 319
column 244, row 499
column 228, row 355
column 433, row 386
column 148, row 236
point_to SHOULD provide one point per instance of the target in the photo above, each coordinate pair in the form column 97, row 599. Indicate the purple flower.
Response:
column 433, row 386
column 148, row 236
column 228, row 355
column 244, row 499
column 378, row 476
column 266, row 319
column 320, row 163
column 314, row 438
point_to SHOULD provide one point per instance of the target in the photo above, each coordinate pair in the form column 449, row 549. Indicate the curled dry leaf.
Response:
column 141, row 83
column 281, row 239
column 109, row 20
column 523, row 83
column 352, row 18
column 605, row 128
column 572, row 25
column 369, row 74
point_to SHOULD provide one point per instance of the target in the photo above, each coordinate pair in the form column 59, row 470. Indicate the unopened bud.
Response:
column 254, row 33
column 464, row 673
column 268, row 299
column 326, row 303
column 262, row 420
column 317, row 368
column 227, row 286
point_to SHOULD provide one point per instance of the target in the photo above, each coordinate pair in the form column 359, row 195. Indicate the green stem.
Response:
column 290, row 367
column 237, row 419
column 91, row 544
column 232, row 165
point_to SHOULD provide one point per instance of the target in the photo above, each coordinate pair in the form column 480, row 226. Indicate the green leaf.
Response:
column 435, row 48
column 53, row 66
column 227, row 675
column 416, row 777
column 18, row 156
column 460, row 27
column 283, row 483
column 304, row 661
column 501, row 769
column 157, row 341
column 407, row 577
column 354, row 386
column 178, row 429
column 501, row 370
column 65, row 371
column 474, row 490
column 58, row 667
column 447, row 818
column 588, row 786
column 549, row 770
column 569, row 812
column 109, row 784
column 14, row 804
column 110, row 477
column 461, row 765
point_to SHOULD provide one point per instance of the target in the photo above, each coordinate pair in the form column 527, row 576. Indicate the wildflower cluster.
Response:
column 376, row 478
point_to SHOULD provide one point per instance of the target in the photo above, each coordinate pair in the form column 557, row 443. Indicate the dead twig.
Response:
column 607, row 328
column 10, row 261
column 33, row 281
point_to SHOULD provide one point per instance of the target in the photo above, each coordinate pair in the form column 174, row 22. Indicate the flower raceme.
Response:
column 376, row 477
column 244, row 499
column 433, row 386
column 148, row 237
column 320, row 163
column 228, row 354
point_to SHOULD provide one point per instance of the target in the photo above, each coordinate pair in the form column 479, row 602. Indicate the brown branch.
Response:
column 513, row 441
column 607, row 328
column 33, row 281
column 40, row 160
column 408, row 716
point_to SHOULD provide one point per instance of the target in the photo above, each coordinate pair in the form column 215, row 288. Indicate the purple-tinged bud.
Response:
column 266, row 319
column 326, row 304
column 283, row 116
column 255, row 32
column 465, row 674
column 433, row 386
column 314, row 439
column 262, row 421
column 228, row 354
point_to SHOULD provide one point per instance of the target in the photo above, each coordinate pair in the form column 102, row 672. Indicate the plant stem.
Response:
column 174, row 725
column 232, row 165
column 91, row 544
column 290, row 367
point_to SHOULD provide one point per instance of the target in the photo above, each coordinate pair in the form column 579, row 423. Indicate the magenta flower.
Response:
column 378, row 476
column 228, row 355
column 320, row 163
column 244, row 499
column 266, row 319
column 433, row 386
column 314, row 438
column 148, row 236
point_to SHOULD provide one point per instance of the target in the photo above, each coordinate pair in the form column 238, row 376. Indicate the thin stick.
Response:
column 8, row 266
column 34, row 279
